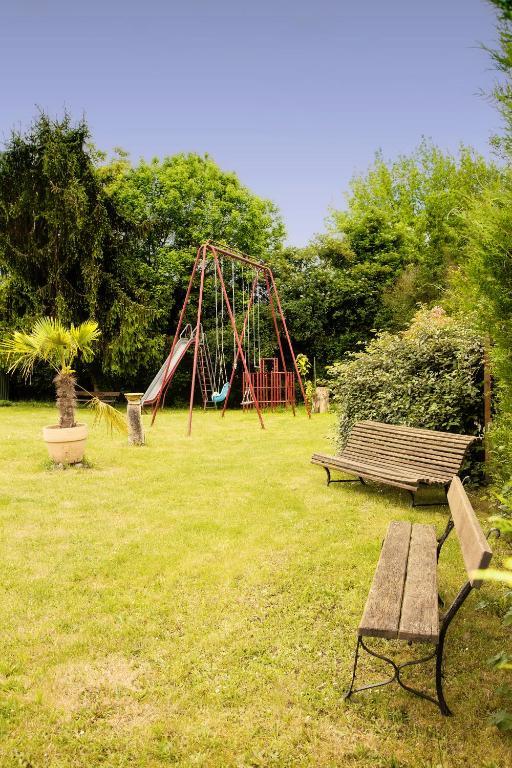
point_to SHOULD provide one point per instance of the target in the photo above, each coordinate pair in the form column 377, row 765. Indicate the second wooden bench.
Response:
column 403, row 603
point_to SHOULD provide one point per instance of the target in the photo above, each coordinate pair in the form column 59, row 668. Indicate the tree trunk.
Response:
column 66, row 398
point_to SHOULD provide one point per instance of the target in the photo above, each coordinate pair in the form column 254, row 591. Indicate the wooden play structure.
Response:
column 273, row 387
column 235, row 295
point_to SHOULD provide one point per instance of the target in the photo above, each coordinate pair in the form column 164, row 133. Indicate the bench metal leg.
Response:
column 342, row 480
column 397, row 675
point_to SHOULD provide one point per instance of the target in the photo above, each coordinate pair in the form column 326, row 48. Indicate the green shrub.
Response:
column 427, row 376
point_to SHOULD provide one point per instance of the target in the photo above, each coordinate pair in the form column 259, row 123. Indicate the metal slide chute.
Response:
column 169, row 366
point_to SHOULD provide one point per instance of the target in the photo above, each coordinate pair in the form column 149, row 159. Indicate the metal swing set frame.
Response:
column 261, row 391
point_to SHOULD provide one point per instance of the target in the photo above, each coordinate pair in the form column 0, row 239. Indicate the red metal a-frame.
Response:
column 211, row 251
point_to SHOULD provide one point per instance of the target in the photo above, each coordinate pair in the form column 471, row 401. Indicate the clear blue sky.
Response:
column 293, row 95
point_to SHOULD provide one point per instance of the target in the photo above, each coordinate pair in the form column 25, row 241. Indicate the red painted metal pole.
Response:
column 237, row 337
column 176, row 336
column 285, row 328
column 235, row 362
column 196, row 343
column 276, row 327
column 236, row 255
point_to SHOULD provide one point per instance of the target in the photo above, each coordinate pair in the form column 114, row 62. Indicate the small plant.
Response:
column 304, row 367
column 59, row 347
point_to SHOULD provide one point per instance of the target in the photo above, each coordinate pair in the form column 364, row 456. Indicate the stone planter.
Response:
column 66, row 445
column 134, row 418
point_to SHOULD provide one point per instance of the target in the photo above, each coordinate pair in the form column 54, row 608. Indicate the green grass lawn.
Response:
column 194, row 603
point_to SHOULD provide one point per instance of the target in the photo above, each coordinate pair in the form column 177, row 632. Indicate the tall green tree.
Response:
column 81, row 237
column 392, row 248
column 65, row 250
column 177, row 203
column 483, row 284
column 406, row 220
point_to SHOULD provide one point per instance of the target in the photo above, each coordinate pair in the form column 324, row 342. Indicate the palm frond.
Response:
column 22, row 351
column 105, row 413
column 49, row 341
column 52, row 335
column 83, row 337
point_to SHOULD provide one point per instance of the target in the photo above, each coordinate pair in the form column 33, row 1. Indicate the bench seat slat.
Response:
column 414, row 465
column 359, row 465
column 353, row 466
column 400, row 457
column 422, row 473
column 419, row 620
column 381, row 616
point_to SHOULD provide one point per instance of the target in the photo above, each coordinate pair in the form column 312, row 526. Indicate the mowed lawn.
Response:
column 194, row 603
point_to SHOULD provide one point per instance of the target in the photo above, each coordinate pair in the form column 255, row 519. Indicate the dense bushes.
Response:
column 427, row 376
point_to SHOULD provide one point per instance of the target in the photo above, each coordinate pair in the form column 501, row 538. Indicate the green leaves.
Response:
column 50, row 342
column 502, row 720
column 426, row 376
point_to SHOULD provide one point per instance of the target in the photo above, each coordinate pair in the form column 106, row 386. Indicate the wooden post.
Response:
column 487, row 398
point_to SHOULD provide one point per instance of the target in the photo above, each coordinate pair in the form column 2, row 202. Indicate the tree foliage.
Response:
column 65, row 250
column 80, row 237
column 405, row 222
column 426, row 376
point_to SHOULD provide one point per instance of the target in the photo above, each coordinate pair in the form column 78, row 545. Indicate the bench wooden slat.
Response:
column 419, row 620
column 381, row 616
column 402, row 444
column 376, row 456
column 408, row 484
column 423, row 474
column 475, row 549
column 427, row 434
column 352, row 466
column 400, row 457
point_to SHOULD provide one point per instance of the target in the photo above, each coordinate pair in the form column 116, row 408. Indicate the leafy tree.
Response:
column 183, row 200
column 404, row 223
column 65, row 250
column 177, row 203
column 330, row 300
column 482, row 286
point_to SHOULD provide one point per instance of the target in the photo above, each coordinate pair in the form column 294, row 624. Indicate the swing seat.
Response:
column 219, row 397
column 247, row 398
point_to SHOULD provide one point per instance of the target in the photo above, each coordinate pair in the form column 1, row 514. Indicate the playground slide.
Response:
column 156, row 385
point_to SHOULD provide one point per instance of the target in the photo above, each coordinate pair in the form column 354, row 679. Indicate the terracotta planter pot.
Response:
column 66, row 445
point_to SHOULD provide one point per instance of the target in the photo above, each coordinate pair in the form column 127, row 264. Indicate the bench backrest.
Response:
column 426, row 450
column 475, row 548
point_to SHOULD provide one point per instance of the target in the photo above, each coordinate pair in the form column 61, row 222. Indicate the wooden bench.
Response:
column 403, row 603
column 404, row 457
column 105, row 397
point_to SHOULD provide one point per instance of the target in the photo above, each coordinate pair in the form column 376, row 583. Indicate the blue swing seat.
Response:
column 219, row 397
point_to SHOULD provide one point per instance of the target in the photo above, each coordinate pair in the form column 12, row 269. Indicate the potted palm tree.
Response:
column 59, row 347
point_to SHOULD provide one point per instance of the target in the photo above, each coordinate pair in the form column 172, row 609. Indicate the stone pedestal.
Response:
column 134, row 418
column 321, row 400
